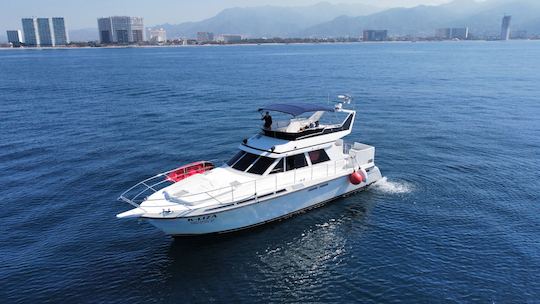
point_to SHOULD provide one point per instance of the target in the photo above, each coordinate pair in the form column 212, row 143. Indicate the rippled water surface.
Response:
column 456, row 218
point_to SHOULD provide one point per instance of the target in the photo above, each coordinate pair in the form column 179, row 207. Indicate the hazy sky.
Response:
column 83, row 13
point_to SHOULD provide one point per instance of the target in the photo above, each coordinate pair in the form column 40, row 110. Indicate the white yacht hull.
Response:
column 265, row 210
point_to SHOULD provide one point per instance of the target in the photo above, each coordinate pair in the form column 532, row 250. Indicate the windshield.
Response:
column 251, row 163
column 243, row 163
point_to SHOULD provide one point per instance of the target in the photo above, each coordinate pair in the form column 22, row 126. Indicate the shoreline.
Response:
column 257, row 44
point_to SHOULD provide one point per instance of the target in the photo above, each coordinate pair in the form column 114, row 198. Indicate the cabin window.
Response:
column 318, row 156
column 245, row 161
column 235, row 158
column 260, row 166
column 278, row 168
column 296, row 161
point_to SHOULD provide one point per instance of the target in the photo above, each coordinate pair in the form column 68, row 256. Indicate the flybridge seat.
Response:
column 300, row 127
column 298, row 124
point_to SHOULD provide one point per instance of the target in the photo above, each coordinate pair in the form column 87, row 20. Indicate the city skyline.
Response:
column 82, row 14
column 326, row 20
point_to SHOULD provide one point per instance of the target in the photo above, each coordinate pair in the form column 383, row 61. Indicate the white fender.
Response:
column 364, row 174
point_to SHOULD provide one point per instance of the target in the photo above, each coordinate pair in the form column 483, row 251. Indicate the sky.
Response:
column 80, row 14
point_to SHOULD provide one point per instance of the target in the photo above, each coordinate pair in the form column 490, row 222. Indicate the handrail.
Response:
column 149, row 184
column 299, row 175
column 347, row 147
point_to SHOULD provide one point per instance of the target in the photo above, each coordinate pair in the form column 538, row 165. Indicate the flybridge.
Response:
column 298, row 128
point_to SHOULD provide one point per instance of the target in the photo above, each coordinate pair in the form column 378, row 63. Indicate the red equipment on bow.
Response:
column 188, row 170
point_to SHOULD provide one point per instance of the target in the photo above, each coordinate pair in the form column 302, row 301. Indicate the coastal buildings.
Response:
column 519, row 34
column 205, row 36
column 59, row 31
column 505, row 28
column 14, row 37
column 105, row 30
column 443, row 33
column 228, row 38
column 30, row 29
column 46, row 36
column 461, row 33
column 375, row 35
column 158, row 35
column 121, row 29
column 44, row 31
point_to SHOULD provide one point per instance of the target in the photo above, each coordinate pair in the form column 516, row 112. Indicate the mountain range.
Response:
column 268, row 21
column 482, row 18
column 339, row 20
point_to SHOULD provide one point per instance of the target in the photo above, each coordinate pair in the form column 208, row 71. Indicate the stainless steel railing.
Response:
column 269, row 184
column 140, row 191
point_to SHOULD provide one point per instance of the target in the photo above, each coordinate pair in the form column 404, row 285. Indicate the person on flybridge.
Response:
column 267, row 121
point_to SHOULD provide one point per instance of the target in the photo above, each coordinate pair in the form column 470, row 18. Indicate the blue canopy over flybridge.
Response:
column 296, row 109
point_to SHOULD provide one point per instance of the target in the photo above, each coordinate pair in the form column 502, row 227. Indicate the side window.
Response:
column 278, row 168
column 318, row 156
column 245, row 161
column 261, row 165
column 296, row 161
column 235, row 158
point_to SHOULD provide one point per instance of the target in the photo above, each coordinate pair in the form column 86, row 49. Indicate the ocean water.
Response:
column 456, row 218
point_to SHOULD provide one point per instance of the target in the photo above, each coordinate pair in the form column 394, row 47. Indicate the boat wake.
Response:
column 392, row 187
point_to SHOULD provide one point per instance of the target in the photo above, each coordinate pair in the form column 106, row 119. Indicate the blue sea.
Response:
column 456, row 126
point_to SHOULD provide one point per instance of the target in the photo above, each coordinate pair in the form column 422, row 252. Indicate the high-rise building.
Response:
column 105, row 30
column 44, row 31
column 228, row 38
column 59, row 31
column 505, row 28
column 461, row 33
column 136, row 29
column 120, row 26
column 375, row 35
column 205, row 36
column 30, row 30
column 46, row 36
column 14, row 37
column 443, row 33
column 121, row 29
column 158, row 35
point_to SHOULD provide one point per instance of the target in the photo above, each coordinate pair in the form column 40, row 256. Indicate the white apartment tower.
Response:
column 158, row 35
column 121, row 29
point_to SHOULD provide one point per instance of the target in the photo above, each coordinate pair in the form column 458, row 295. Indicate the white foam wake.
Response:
column 393, row 187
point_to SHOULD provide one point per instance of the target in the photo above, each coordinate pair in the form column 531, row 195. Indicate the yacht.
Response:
column 291, row 166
